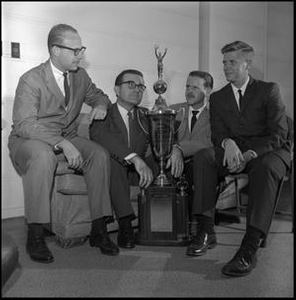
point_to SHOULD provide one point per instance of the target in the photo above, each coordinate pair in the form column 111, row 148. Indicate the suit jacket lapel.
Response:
column 248, row 96
column 184, row 125
column 117, row 119
column 229, row 100
column 52, row 84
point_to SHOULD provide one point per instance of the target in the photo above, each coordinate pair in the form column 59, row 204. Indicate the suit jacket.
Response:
column 112, row 134
column 261, row 123
column 39, row 110
column 200, row 137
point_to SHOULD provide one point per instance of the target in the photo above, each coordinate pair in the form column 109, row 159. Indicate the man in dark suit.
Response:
column 249, row 133
column 47, row 104
column 120, row 133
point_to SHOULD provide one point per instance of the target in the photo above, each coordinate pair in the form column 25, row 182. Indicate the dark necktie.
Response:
column 240, row 98
column 193, row 118
column 67, row 89
column 131, row 127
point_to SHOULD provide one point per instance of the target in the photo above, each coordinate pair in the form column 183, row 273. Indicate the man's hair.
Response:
column 209, row 81
column 56, row 34
column 119, row 78
column 246, row 49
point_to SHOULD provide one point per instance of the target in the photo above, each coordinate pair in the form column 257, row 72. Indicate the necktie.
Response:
column 193, row 118
column 130, row 125
column 67, row 89
column 240, row 98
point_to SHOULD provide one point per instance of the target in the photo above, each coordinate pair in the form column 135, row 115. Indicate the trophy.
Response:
column 163, row 206
column 161, row 124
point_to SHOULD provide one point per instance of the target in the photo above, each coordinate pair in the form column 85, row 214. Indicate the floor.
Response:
column 159, row 271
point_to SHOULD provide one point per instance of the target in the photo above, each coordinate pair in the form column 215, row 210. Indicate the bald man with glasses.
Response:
column 47, row 103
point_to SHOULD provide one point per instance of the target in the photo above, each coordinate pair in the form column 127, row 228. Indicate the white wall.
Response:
column 121, row 35
column 117, row 36
column 280, row 50
column 232, row 21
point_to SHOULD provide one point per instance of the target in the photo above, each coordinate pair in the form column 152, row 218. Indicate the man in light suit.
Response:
column 127, row 144
column 249, row 133
column 194, row 133
column 47, row 103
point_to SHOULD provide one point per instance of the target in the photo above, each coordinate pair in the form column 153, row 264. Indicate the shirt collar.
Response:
column 56, row 72
column 199, row 109
column 242, row 88
column 122, row 110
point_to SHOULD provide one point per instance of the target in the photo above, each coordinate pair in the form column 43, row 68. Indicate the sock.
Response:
column 98, row 225
column 126, row 220
column 205, row 223
column 35, row 229
column 251, row 240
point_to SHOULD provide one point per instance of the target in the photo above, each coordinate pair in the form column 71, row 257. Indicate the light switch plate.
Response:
column 15, row 50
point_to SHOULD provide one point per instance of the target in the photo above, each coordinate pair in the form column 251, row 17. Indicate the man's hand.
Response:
column 233, row 157
column 71, row 153
column 247, row 156
column 176, row 162
column 146, row 175
column 98, row 113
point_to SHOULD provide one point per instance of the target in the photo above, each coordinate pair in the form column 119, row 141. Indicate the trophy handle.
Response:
column 139, row 120
column 183, row 116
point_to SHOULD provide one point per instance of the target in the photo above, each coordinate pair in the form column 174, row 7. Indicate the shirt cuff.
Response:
column 130, row 156
column 223, row 143
column 254, row 154
column 178, row 146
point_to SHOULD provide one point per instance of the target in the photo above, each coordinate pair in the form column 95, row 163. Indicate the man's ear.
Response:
column 208, row 91
column 116, row 90
column 55, row 51
column 249, row 64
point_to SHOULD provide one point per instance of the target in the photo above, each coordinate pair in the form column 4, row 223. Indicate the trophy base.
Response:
column 162, row 217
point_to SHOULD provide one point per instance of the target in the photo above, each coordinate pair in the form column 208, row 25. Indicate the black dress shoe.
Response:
column 37, row 249
column 242, row 263
column 201, row 243
column 103, row 241
column 126, row 236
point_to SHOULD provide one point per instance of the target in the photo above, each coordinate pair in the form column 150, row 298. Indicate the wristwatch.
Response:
column 57, row 149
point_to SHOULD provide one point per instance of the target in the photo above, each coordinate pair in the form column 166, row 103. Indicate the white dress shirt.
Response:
column 242, row 88
column 59, row 77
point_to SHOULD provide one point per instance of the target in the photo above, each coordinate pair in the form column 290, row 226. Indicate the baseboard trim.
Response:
column 12, row 212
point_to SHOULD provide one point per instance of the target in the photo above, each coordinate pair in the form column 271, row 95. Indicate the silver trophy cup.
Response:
column 161, row 125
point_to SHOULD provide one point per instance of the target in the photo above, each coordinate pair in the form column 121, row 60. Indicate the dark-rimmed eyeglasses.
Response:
column 76, row 51
column 132, row 85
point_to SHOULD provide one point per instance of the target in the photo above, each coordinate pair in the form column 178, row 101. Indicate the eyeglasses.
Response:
column 132, row 85
column 76, row 51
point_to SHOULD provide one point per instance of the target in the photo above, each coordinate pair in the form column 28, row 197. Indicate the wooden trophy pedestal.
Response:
column 163, row 217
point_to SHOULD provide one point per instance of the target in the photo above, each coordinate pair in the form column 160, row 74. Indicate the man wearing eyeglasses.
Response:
column 47, row 103
column 127, row 144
